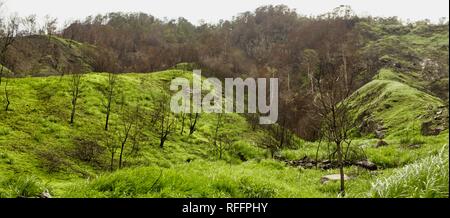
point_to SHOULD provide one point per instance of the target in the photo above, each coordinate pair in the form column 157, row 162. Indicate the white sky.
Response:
column 214, row 10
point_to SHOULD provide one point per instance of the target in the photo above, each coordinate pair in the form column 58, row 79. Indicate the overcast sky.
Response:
column 214, row 10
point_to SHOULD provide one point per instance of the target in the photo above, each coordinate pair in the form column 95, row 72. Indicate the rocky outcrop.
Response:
column 308, row 163
column 368, row 125
column 437, row 122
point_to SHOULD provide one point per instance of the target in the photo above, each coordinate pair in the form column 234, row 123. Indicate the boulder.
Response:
column 333, row 177
column 366, row 165
column 379, row 134
column 45, row 194
column 427, row 129
column 381, row 143
column 414, row 146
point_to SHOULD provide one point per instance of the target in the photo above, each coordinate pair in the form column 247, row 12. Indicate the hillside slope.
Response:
column 40, row 150
column 396, row 104
column 40, row 55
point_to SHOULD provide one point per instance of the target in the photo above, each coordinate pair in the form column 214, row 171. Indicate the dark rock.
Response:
column 427, row 129
column 366, row 165
column 242, row 157
column 381, row 143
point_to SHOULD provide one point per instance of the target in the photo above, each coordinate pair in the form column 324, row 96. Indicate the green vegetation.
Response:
column 397, row 106
column 427, row 178
column 81, row 116
column 39, row 149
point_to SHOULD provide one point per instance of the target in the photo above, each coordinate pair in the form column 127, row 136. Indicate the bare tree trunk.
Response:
column 108, row 110
column 7, row 96
column 341, row 168
column 72, row 115
column 311, row 79
column 193, row 123
column 121, row 151
column 1, row 73
column 183, row 118
column 112, row 161
column 161, row 142
column 112, row 79
column 344, row 59
column 289, row 81
column 76, row 80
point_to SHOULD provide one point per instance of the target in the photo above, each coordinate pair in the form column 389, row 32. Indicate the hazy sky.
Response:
column 214, row 10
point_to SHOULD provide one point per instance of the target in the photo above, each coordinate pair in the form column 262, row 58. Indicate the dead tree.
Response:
column 166, row 119
column 112, row 146
column 193, row 119
column 8, row 34
column 137, row 134
column 334, row 110
column 183, row 121
column 109, row 94
column 7, row 95
column 218, row 145
column 129, row 118
column 75, row 89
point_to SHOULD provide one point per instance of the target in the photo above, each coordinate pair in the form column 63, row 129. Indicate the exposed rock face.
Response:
column 370, row 125
column 428, row 129
column 333, row 177
column 438, row 122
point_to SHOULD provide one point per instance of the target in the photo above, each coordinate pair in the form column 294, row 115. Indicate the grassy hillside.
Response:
column 40, row 150
column 395, row 101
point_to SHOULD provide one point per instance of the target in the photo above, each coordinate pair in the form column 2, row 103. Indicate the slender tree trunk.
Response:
column 72, row 115
column 311, row 79
column 112, row 161
column 108, row 110
column 121, row 154
column 127, row 133
column 1, row 73
column 289, row 81
column 341, row 168
column 192, row 126
column 183, row 118
column 7, row 96
column 161, row 142
column 344, row 59
column 74, row 106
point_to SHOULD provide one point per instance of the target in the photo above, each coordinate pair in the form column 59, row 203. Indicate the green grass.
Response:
column 426, row 178
column 264, row 179
column 36, row 137
column 399, row 107
column 37, row 145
